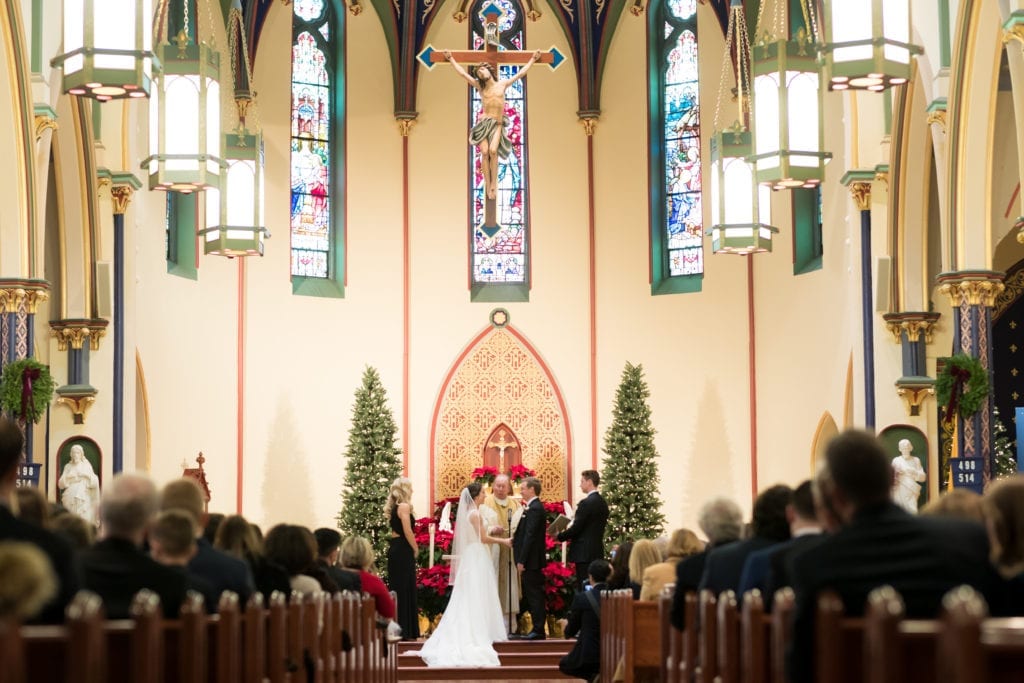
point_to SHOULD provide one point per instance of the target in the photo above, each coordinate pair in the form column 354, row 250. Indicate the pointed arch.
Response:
column 825, row 432
column 142, row 423
column 499, row 377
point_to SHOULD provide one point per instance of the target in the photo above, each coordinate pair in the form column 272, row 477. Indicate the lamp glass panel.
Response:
column 716, row 197
column 154, row 131
column 739, row 178
column 764, row 204
column 851, row 21
column 261, row 194
column 181, row 125
column 737, row 233
column 74, row 33
column 766, row 115
column 212, row 118
column 803, row 111
column 147, row 35
column 114, row 29
column 212, row 211
column 241, row 189
column 896, row 27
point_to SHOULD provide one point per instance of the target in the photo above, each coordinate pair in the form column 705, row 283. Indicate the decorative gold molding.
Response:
column 1015, row 33
column 405, row 126
column 589, row 124
column 938, row 116
column 79, row 405
column 44, row 122
column 882, row 177
column 861, row 193
column 355, row 7
column 913, row 323
column 1019, row 227
column 11, row 297
column 636, row 7
column 977, row 288
column 121, row 196
column 914, row 395
column 75, row 332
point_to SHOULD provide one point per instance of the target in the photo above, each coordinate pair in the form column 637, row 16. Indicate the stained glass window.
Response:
column 311, row 140
column 502, row 257
column 676, row 209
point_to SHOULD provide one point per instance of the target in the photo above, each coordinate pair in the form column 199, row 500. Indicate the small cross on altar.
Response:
column 494, row 56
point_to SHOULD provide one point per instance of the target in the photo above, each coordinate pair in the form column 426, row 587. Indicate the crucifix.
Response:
column 501, row 444
column 488, row 133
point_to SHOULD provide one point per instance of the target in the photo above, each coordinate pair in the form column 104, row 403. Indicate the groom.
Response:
column 528, row 546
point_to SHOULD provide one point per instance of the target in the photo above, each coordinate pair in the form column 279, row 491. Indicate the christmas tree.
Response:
column 371, row 463
column 630, row 479
column 1004, row 460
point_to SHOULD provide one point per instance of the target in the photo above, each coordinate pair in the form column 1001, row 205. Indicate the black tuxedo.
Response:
column 586, row 533
column 781, row 561
column 584, row 659
column 61, row 557
column 528, row 547
column 920, row 557
column 117, row 569
column 688, row 574
column 225, row 572
column 724, row 566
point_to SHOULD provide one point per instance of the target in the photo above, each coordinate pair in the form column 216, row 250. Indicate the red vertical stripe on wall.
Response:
column 405, row 304
column 241, row 386
column 593, row 301
column 753, row 377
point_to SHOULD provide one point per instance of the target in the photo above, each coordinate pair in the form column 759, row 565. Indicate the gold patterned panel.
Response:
column 500, row 381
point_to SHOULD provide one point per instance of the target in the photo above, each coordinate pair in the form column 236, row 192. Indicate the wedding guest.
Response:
column 958, row 503
column 620, row 566
column 1004, row 519
column 237, row 537
column 172, row 543
column 584, row 659
column 73, row 529
column 682, row 544
column 328, row 546
column 294, row 548
column 402, row 550
column 32, row 507
column 213, row 522
column 27, row 581
column 645, row 554
column 357, row 556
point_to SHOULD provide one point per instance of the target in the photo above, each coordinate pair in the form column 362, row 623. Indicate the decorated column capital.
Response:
column 1013, row 28
column 121, row 196
column 974, row 287
column 588, row 120
column 936, row 111
column 78, row 403
column 913, row 323
column 858, row 182
column 15, row 293
column 914, row 391
column 405, row 123
column 74, row 332
column 861, row 193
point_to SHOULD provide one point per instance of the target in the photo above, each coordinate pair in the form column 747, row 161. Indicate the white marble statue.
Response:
column 80, row 485
column 908, row 474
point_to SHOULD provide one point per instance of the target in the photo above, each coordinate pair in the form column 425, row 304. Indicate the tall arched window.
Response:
column 677, row 225
column 501, row 259
column 317, row 136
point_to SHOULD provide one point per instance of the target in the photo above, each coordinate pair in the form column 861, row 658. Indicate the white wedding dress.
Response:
column 472, row 622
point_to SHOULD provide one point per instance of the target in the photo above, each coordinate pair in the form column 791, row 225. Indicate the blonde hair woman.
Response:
column 402, row 551
column 682, row 544
column 646, row 553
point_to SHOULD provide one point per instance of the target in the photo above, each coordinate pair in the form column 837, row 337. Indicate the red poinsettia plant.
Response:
column 520, row 472
column 559, row 587
column 484, row 475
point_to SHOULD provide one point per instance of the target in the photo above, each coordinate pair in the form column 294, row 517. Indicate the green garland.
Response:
column 11, row 386
column 975, row 390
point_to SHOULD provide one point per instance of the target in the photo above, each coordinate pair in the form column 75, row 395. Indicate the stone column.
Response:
column 912, row 330
column 78, row 336
column 973, row 294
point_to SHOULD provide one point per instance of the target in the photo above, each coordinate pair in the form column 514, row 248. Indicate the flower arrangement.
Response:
column 520, row 472
column 432, row 581
column 559, row 587
column 484, row 475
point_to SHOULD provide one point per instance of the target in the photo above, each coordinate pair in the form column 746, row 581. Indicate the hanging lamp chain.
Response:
column 735, row 39
column 237, row 41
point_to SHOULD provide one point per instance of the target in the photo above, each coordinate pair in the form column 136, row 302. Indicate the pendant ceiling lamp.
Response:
column 108, row 48
column 235, row 219
column 787, row 128
column 740, row 207
column 867, row 44
column 184, row 120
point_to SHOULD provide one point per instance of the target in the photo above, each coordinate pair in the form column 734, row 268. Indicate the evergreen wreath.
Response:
column 962, row 386
column 26, row 389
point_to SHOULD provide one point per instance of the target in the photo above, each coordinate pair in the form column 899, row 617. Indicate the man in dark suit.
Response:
column 225, row 572
column 328, row 547
column 584, row 659
column 528, row 549
column 115, row 568
column 586, row 533
column 721, row 520
column 56, row 549
column 725, row 565
column 878, row 543
column 172, row 543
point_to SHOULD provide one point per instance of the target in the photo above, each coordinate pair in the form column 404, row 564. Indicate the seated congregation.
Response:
column 831, row 581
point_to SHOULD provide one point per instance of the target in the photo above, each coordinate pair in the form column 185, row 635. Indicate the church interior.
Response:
column 832, row 226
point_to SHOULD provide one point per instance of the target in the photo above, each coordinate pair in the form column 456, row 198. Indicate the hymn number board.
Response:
column 967, row 473
column 28, row 474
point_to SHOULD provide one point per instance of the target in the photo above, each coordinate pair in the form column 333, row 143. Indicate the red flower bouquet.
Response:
column 519, row 472
column 484, row 475
column 559, row 587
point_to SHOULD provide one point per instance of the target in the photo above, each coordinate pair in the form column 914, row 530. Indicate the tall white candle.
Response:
column 564, row 544
column 431, row 556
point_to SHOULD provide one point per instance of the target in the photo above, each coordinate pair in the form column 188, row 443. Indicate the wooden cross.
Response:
column 492, row 55
column 501, row 444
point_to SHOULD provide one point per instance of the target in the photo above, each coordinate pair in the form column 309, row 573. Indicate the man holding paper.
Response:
column 586, row 533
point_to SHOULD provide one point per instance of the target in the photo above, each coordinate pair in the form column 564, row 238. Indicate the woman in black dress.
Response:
column 402, row 551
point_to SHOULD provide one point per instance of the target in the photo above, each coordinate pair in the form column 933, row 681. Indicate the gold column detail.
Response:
column 121, row 195
column 405, row 125
column 861, row 193
column 15, row 292
column 977, row 288
column 1015, row 33
column 589, row 124
column 914, row 395
column 938, row 116
column 75, row 332
column 355, row 7
column 636, row 7
column 882, row 177
column 44, row 122
column 1019, row 227
column 78, row 403
column 913, row 323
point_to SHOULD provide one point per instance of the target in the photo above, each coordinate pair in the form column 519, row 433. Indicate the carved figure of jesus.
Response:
column 488, row 133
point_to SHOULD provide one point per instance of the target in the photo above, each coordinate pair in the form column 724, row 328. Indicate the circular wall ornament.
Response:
column 500, row 317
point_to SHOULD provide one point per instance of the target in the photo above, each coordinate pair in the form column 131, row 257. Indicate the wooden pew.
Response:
column 228, row 638
column 671, row 638
column 279, row 668
column 76, row 651
column 147, row 643
column 754, row 631
column 838, row 643
column 783, row 606
column 628, row 630
column 707, row 634
column 896, row 649
column 973, row 648
column 254, row 640
column 728, row 639
column 12, row 652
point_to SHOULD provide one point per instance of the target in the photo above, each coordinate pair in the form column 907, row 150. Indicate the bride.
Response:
column 473, row 620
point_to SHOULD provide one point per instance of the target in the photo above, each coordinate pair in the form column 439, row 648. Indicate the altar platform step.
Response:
column 521, row 661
